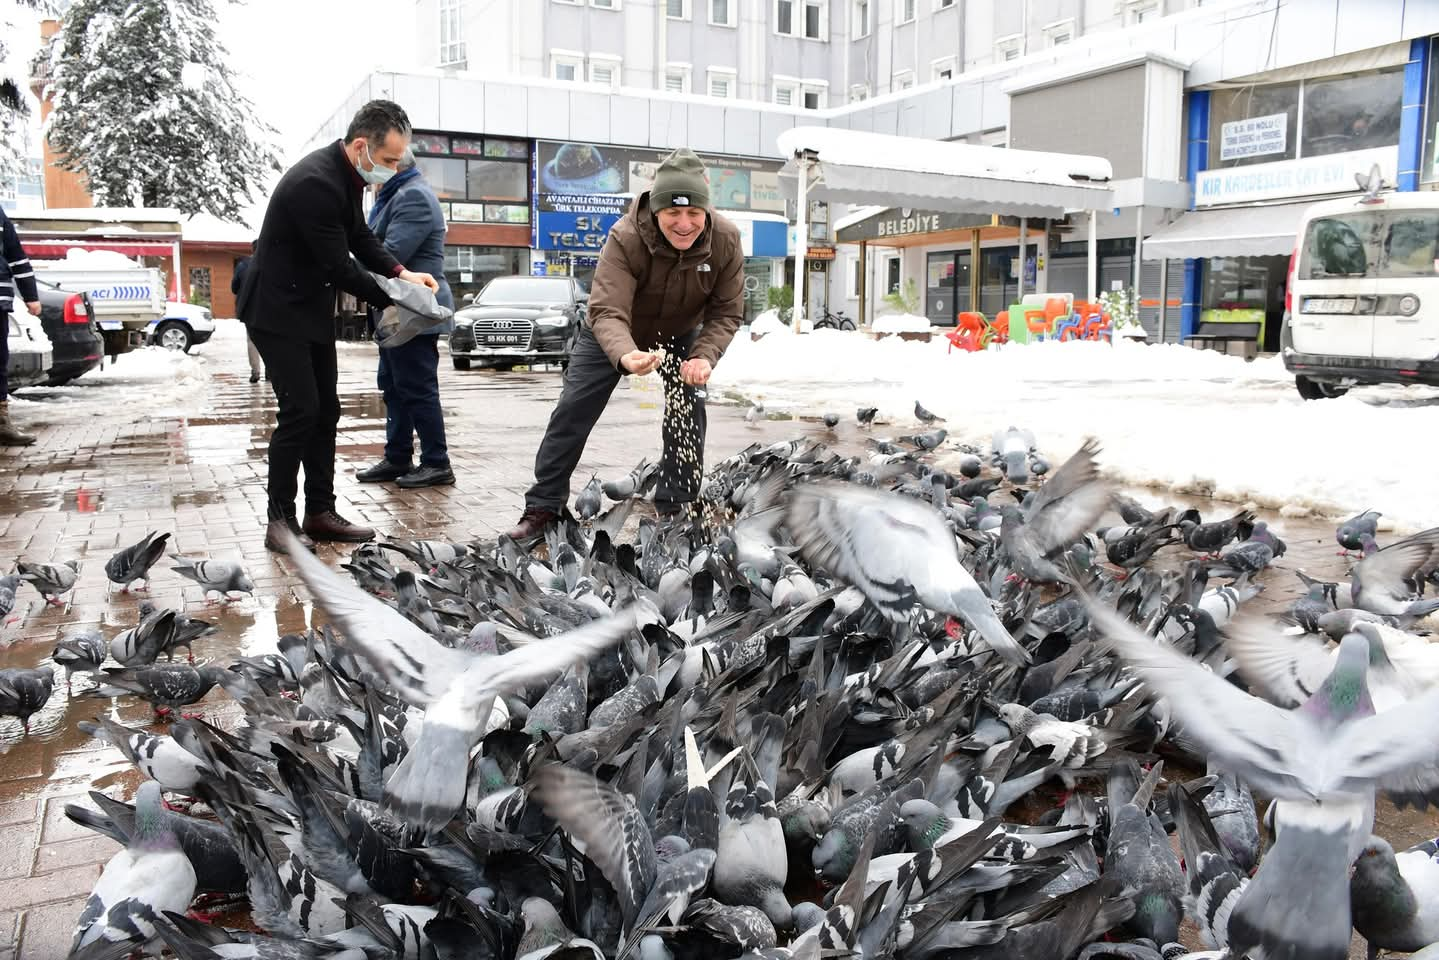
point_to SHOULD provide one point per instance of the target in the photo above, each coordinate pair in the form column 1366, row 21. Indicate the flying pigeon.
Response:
column 1063, row 510
column 214, row 575
column 24, row 692
column 50, row 579
column 897, row 551
column 1380, row 582
column 455, row 688
column 150, row 876
column 134, row 562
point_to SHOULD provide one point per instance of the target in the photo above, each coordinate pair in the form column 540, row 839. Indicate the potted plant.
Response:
column 906, row 322
column 1123, row 309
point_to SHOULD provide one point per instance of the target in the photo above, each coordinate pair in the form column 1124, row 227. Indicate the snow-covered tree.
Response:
column 147, row 111
column 16, row 17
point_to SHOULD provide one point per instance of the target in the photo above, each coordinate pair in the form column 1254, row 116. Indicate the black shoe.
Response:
column 382, row 471
column 427, row 475
column 254, row 378
column 275, row 535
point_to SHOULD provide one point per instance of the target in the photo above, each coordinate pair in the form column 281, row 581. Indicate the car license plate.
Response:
column 1329, row 305
column 504, row 339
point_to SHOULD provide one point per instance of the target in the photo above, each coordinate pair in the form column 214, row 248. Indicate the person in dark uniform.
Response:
column 302, row 261
column 17, row 279
column 237, row 280
column 671, row 274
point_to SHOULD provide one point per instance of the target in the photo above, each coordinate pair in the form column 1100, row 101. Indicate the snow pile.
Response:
column 140, row 385
column 769, row 322
column 1193, row 421
column 77, row 258
column 901, row 323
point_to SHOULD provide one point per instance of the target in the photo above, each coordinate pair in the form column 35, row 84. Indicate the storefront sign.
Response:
column 896, row 222
column 574, row 231
column 1255, row 137
column 1311, row 176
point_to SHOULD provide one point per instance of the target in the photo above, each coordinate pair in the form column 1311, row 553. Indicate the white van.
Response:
column 1362, row 305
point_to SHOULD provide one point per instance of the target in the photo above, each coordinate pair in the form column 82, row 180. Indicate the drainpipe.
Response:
column 801, row 240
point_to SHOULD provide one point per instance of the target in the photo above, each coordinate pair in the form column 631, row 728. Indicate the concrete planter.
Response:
column 916, row 335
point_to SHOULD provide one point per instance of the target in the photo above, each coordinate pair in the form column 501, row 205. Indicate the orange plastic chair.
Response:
column 999, row 329
column 1037, row 323
column 1097, row 327
column 962, row 338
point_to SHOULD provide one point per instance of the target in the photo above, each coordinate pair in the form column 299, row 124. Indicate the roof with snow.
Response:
column 109, row 214
column 857, row 167
column 204, row 228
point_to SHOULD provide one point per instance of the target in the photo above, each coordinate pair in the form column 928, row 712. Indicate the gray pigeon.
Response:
column 897, row 551
column 831, row 420
column 1011, row 449
column 545, row 934
column 214, row 575
column 1395, row 897
column 456, row 689
column 150, row 876
column 8, row 585
column 1249, row 557
column 865, row 416
column 924, row 416
column 50, row 579
column 24, row 692
column 80, row 651
column 1351, row 532
column 166, row 686
column 1061, row 512
column 1322, row 762
column 588, row 503
column 755, row 413
column 1214, row 883
column 927, row 441
column 160, row 758
column 145, row 641
column 1380, row 582
column 134, row 562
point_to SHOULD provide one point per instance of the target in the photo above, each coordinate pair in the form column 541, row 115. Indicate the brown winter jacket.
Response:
column 646, row 291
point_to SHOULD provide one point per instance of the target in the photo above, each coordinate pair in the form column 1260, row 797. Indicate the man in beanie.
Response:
column 671, row 274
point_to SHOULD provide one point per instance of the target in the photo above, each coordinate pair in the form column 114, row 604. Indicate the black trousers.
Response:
column 410, row 380
column 303, row 375
column 5, row 355
column 589, row 381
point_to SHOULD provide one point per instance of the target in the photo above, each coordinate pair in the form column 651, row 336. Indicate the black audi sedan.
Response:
column 519, row 320
column 69, row 321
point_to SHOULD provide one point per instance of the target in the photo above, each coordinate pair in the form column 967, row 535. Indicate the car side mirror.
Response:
column 468, row 298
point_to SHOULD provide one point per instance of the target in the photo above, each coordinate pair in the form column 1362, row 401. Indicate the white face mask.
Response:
column 377, row 174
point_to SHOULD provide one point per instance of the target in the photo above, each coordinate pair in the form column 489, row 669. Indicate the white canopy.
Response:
column 1228, row 232
column 856, row 167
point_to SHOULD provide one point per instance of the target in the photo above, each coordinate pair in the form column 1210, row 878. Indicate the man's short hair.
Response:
column 407, row 160
column 376, row 119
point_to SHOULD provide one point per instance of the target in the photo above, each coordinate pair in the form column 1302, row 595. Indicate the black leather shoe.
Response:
column 532, row 524
column 331, row 526
column 427, row 475
column 275, row 535
column 382, row 471
column 254, row 378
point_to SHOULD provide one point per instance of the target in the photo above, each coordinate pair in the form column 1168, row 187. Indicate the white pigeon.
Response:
column 898, row 551
column 160, row 758
column 150, row 876
column 455, row 687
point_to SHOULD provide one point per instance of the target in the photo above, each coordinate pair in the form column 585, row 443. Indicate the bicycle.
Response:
column 834, row 321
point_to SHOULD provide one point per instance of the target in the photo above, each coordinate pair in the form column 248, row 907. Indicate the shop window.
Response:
column 498, row 180
column 1255, row 124
column 445, row 175
column 1429, row 169
column 200, row 285
column 1352, row 113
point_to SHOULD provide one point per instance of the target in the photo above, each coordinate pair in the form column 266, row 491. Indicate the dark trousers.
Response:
column 5, row 355
column 303, row 375
column 409, row 377
column 589, row 381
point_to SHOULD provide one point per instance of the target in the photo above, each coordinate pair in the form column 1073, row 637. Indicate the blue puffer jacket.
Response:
column 409, row 221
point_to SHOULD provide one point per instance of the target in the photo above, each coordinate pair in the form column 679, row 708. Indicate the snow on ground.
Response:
column 1194, row 421
column 769, row 322
column 901, row 323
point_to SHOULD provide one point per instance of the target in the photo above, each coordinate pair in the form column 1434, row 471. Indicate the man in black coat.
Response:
column 302, row 261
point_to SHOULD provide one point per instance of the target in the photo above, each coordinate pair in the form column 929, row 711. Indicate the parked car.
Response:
column 1362, row 305
column 182, row 326
column 519, row 320
column 30, row 351
column 69, row 321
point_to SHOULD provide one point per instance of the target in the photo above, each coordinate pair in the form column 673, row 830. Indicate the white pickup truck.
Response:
column 127, row 297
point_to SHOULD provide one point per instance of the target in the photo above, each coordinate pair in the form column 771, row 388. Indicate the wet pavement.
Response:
column 100, row 480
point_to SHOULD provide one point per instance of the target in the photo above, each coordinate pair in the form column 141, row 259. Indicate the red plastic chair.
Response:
column 999, row 329
column 969, row 333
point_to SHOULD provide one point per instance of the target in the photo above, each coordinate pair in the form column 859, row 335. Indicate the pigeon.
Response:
column 1062, row 511
column 1351, row 532
column 80, row 651
column 150, row 876
column 142, row 643
column 588, row 503
column 159, row 758
column 755, row 413
column 1012, row 447
column 134, row 562
column 8, row 585
column 1139, row 857
column 1395, row 897
column 1214, row 883
column 216, row 576
column 1380, row 583
column 24, row 692
column 896, row 551
column 970, row 466
column 634, row 482
column 831, row 419
column 50, row 579
column 1249, row 557
column 545, row 934
column 924, row 416
column 455, row 688
column 927, row 441
column 1322, row 761
column 166, row 686
column 1213, row 537
column 864, row 416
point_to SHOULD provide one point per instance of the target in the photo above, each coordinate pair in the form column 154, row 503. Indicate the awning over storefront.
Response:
column 55, row 249
column 852, row 166
column 1228, row 232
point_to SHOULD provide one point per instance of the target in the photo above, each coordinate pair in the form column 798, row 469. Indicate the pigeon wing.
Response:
column 1398, row 750
column 1389, row 568
column 1289, row 669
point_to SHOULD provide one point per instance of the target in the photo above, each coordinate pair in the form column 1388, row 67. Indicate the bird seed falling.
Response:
column 680, row 471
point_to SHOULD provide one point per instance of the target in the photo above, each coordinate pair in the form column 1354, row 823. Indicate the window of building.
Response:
column 200, row 286
column 677, row 9
column 606, row 4
column 891, row 274
column 942, row 69
column 567, row 66
column 814, row 19
column 904, row 10
column 1058, row 34
column 478, row 179
column 722, row 12
column 784, row 16
column 721, row 83
column 851, row 278
column 677, row 78
column 801, row 18
column 1255, row 124
column 786, row 92
column 1007, row 48
column 1143, row 11
column 903, row 80
column 469, row 268
column 1352, row 113
column 452, row 33
column 943, row 4
column 605, row 71
column 814, row 95
column 818, row 220
column 572, row 3
column 1429, row 169
column 858, row 92
column 859, row 21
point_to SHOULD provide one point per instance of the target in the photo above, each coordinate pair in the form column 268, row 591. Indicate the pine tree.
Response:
column 14, row 107
column 146, row 109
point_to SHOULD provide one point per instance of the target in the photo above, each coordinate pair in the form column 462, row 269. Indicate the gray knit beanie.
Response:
column 680, row 182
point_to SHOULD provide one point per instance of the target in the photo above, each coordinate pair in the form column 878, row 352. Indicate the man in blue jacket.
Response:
column 408, row 220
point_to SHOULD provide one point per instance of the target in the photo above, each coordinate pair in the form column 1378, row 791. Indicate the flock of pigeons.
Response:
column 861, row 706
